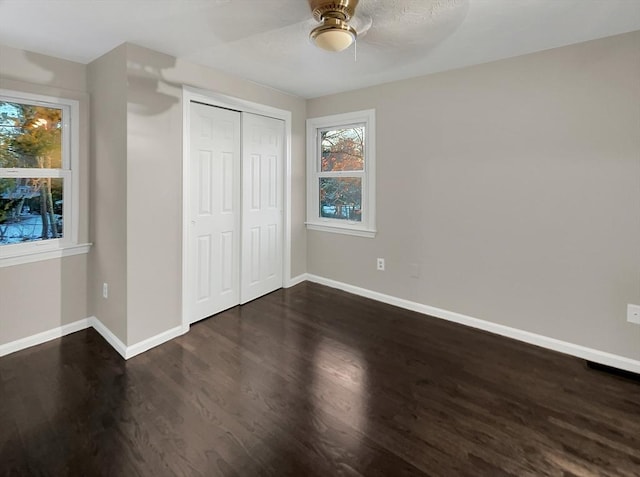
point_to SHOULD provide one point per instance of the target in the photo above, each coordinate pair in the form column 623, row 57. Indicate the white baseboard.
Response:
column 43, row 337
column 154, row 341
column 572, row 349
column 126, row 352
column 295, row 280
column 108, row 336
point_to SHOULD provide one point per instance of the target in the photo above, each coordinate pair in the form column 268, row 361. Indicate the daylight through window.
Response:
column 342, row 152
column 341, row 173
column 35, row 174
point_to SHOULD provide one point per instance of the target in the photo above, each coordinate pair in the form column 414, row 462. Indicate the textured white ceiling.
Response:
column 267, row 40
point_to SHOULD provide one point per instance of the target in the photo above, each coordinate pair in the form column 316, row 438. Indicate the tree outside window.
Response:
column 31, row 183
column 341, row 173
column 342, row 151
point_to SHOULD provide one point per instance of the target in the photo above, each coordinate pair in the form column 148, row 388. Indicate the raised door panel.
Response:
column 262, row 193
column 214, row 222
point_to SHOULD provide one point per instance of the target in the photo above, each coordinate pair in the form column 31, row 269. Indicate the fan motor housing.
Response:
column 340, row 9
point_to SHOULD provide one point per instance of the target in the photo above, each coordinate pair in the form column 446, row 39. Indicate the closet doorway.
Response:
column 234, row 221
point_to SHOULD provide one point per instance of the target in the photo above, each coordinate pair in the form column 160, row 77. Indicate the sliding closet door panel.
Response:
column 262, row 196
column 214, row 222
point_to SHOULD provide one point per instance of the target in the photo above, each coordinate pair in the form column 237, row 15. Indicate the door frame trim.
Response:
column 220, row 100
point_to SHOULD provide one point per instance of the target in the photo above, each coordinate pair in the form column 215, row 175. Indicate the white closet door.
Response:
column 262, row 196
column 214, row 222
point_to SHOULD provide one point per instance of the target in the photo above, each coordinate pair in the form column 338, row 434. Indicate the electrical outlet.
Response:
column 633, row 314
column 105, row 290
column 380, row 264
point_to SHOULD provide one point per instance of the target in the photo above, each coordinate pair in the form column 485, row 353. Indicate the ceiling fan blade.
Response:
column 361, row 23
column 412, row 22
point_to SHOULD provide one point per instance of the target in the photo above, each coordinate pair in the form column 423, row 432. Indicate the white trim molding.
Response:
column 341, row 230
column 68, row 171
column 127, row 352
column 296, row 280
column 212, row 98
column 48, row 254
column 146, row 345
column 315, row 126
column 43, row 337
column 109, row 336
column 579, row 351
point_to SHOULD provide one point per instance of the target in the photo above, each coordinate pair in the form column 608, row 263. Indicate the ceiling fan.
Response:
column 334, row 32
column 398, row 22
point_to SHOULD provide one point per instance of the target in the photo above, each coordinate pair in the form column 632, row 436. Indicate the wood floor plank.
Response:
column 313, row 381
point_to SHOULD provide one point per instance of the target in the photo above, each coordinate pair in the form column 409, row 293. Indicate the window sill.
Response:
column 48, row 254
column 358, row 232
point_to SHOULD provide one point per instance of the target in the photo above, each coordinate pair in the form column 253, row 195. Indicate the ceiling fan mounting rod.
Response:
column 338, row 9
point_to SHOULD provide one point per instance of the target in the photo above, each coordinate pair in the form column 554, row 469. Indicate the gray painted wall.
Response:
column 107, row 79
column 154, row 180
column 137, row 184
column 135, row 191
column 38, row 297
column 515, row 187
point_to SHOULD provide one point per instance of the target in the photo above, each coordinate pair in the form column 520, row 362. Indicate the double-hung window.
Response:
column 38, row 155
column 341, row 173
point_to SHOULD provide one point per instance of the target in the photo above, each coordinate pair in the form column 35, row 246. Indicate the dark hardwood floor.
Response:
column 312, row 381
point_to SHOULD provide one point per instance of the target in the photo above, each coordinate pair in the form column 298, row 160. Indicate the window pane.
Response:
column 341, row 198
column 342, row 149
column 30, row 136
column 30, row 209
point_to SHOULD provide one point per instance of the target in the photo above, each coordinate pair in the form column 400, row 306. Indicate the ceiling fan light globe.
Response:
column 334, row 40
column 333, row 34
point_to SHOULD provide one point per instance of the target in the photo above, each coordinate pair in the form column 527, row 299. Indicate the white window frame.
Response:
column 367, row 226
column 16, row 254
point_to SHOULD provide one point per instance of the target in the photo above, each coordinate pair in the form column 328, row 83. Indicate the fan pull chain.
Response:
column 355, row 50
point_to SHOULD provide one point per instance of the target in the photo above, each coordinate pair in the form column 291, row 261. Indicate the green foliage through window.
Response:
column 342, row 152
column 31, row 205
column 341, row 168
column 342, row 149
